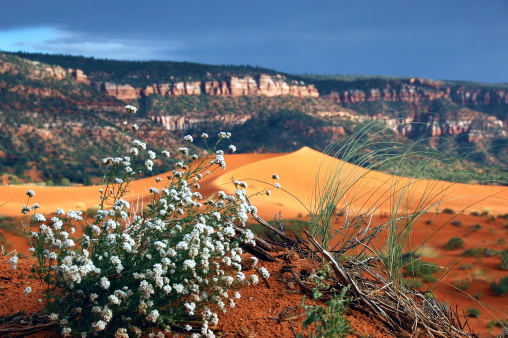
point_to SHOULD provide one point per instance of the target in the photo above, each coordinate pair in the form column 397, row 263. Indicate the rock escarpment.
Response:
column 234, row 86
column 417, row 90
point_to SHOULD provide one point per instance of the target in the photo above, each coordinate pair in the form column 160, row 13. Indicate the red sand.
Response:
column 297, row 173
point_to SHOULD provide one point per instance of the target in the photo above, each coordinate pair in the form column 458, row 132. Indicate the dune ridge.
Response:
column 301, row 174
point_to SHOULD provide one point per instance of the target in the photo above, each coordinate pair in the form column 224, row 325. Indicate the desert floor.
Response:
column 450, row 208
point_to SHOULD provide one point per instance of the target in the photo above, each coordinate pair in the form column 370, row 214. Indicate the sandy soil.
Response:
column 298, row 172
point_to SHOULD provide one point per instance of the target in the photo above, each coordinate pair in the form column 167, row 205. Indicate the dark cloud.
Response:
column 455, row 39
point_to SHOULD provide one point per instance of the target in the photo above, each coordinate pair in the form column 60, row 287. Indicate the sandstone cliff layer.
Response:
column 234, row 86
column 418, row 90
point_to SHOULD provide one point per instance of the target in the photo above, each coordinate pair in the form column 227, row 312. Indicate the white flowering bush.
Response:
column 174, row 264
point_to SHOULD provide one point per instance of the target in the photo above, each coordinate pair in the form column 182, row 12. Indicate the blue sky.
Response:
column 450, row 39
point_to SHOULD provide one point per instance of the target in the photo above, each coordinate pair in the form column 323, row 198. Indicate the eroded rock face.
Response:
column 418, row 90
column 173, row 122
column 234, row 86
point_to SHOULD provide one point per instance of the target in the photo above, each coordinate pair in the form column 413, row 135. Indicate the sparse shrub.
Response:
column 457, row 223
column 454, row 243
column 498, row 323
column 475, row 227
column 473, row 312
column 478, row 295
column 448, row 211
column 500, row 288
column 461, row 284
column 466, row 267
column 475, row 213
column 175, row 266
column 418, row 268
column 92, row 211
column 485, row 212
column 81, row 206
column 329, row 320
column 504, row 260
column 65, row 182
column 473, row 253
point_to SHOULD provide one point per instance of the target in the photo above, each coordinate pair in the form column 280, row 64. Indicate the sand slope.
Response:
column 300, row 172
column 306, row 171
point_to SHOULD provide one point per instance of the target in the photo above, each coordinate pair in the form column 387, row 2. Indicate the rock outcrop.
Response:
column 174, row 123
column 418, row 90
column 262, row 84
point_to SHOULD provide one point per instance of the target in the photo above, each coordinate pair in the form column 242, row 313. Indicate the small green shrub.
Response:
column 473, row 312
column 498, row 323
column 448, row 211
column 454, row 243
column 329, row 320
column 500, row 288
column 473, row 253
column 457, row 223
column 466, row 267
column 419, row 268
column 475, row 227
column 504, row 260
column 461, row 284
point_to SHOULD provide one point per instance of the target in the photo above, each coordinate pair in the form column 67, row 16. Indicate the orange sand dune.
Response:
column 298, row 172
column 365, row 189
column 12, row 197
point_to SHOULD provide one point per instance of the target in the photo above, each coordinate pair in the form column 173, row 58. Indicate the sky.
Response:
column 435, row 39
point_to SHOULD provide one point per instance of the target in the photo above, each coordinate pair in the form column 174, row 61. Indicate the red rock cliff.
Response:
column 234, row 86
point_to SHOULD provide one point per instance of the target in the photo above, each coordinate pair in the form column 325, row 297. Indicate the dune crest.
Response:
column 301, row 173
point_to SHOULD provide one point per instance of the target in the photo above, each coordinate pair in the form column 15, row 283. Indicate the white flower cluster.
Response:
column 178, row 257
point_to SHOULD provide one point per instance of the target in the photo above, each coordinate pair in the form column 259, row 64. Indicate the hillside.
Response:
column 69, row 108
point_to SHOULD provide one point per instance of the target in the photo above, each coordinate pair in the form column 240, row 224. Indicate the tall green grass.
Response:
column 342, row 211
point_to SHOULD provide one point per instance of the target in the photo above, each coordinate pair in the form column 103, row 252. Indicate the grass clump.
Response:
column 504, row 260
column 461, row 284
column 419, row 268
column 501, row 287
column 454, row 243
column 473, row 312
column 471, row 252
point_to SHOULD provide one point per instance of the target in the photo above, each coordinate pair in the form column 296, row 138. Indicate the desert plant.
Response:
column 466, row 267
column 457, row 223
column 504, row 260
column 500, row 288
column 328, row 320
column 485, row 212
column 473, row 312
column 454, row 243
column 419, row 268
column 461, row 284
column 471, row 252
column 448, row 211
column 175, row 266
